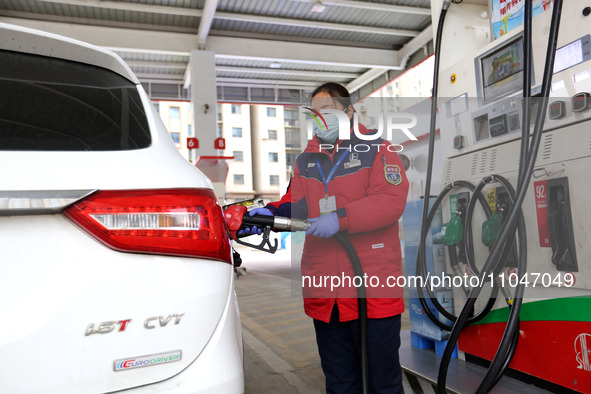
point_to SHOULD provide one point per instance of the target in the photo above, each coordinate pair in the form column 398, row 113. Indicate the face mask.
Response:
column 331, row 133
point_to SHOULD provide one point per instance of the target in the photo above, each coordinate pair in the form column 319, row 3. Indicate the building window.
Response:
column 271, row 112
column 290, row 159
column 236, row 109
column 174, row 113
column 291, row 117
column 274, row 180
column 157, row 106
column 272, row 134
column 238, row 155
column 176, row 137
column 219, row 132
column 237, row 132
column 273, row 157
column 219, row 112
column 292, row 138
column 238, row 179
column 189, row 129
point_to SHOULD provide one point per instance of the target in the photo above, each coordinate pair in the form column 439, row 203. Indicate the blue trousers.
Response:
column 340, row 348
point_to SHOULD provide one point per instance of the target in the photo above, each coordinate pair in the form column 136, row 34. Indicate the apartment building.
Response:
column 235, row 127
column 178, row 119
column 295, row 136
column 268, row 151
column 264, row 140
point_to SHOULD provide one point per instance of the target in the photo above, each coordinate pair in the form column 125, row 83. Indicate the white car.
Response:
column 116, row 270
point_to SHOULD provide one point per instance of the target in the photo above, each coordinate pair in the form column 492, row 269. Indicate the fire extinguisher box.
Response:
column 411, row 224
column 435, row 260
column 421, row 324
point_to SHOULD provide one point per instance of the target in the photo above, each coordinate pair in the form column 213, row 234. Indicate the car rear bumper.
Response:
column 219, row 367
column 77, row 307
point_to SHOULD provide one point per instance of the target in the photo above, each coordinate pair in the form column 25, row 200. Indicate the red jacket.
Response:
column 370, row 188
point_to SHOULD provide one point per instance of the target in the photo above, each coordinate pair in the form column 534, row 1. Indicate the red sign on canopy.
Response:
column 220, row 143
column 192, row 143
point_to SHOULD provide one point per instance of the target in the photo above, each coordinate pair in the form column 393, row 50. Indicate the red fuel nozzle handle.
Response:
column 234, row 215
column 237, row 216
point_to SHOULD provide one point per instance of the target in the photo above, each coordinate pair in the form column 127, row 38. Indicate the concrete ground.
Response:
column 280, row 352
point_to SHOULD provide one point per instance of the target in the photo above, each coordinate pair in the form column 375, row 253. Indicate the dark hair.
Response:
column 336, row 91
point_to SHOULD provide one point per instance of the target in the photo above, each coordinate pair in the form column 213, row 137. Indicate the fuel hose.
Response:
column 362, row 307
column 427, row 216
column 514, row 219
column 422, row 268
column 288, row 224
column 513, row 323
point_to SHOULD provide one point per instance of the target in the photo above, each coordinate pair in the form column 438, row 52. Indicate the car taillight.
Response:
column 180, row 222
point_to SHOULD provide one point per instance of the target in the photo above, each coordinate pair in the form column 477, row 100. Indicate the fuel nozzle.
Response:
column 492, row 227
column 453, row 232
column 237, row 218
column 277, row 223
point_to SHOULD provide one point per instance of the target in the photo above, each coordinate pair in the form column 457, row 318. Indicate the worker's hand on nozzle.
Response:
column 260, row 211
column 324, row 226
column 254, row 229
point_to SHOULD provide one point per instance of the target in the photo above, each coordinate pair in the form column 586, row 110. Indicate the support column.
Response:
column 204, row 98
column 257, row 151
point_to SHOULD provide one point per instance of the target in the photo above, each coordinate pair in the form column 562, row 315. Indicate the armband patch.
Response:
column 392, row 174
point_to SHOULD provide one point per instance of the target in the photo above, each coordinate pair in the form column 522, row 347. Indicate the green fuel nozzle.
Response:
column 452, row 233
column 491, row 228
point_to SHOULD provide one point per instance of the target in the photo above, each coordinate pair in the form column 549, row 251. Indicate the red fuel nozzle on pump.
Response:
column 237, row 218
column 234, row 215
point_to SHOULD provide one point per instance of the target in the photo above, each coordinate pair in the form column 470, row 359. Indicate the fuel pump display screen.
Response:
column 572, row 54
column 502, row 70
column 568, row 56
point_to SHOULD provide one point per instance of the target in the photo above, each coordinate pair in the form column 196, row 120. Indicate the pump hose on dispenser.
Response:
column 507, row 348
column 424, row 229
column 497, row 365
column 496, row 370
column 515, row 303
column 515, row 219
column 428, row 217
column 421, row 264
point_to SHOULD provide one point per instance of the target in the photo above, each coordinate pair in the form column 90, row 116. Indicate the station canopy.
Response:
column 268, row 51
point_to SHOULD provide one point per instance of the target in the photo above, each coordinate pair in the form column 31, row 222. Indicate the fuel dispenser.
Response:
column 488, row 120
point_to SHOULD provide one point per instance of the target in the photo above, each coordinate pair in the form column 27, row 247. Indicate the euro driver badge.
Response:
column 392, row 174
column 328, row 204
